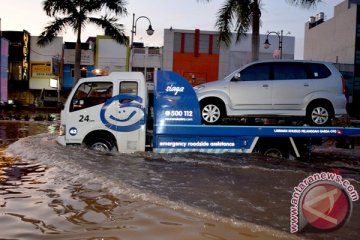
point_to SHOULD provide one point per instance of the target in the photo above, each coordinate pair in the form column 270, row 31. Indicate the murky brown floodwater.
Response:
column 51, row 192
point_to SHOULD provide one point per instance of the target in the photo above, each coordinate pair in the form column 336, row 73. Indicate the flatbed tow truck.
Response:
column 123, row 121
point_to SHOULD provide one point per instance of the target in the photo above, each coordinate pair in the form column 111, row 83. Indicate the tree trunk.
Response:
column 255, row 38
column 77, row 56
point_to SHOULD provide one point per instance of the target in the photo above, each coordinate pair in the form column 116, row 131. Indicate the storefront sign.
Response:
column 41, row 70
column 25, row 71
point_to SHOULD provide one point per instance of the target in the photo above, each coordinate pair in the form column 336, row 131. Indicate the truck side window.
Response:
column 130, row 88
column 91, row 94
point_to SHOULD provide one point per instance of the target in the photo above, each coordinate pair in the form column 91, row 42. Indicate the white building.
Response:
column 110, row 55
column 42, row 60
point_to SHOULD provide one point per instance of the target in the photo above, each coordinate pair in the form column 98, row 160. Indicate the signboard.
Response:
column 87, row 57
column 41, row 70
column 53, row 83
column 55, row 62
column 26, row 56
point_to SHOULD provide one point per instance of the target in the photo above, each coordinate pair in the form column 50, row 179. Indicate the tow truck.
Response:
column 115, row 112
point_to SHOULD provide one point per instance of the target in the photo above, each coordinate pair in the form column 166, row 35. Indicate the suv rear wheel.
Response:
column 319, row 114
column 212, row 112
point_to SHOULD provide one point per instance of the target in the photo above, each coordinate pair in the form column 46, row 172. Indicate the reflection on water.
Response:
column 55, row 192
column 39, row 203
column 10, row 131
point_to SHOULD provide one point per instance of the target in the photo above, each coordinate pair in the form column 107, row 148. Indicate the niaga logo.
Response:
column 123, row 113
column 174, row 89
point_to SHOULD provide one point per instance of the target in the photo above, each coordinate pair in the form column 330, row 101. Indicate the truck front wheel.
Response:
column 100, row 140
column 100, row 144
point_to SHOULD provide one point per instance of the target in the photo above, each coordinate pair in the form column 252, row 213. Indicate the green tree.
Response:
column 243, row 14
column 76, row 14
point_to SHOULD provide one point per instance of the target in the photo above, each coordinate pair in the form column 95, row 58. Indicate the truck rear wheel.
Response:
column 274, row 152
column 273, row 147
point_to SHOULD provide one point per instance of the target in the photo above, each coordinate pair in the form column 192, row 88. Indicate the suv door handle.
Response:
column 265, row 85
column 306, row 84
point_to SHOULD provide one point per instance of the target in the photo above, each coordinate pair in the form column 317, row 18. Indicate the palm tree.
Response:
column 245, row 14
column 76, row 14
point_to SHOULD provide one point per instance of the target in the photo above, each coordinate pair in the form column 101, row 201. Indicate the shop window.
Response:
column 15, row 71
column 83, row 72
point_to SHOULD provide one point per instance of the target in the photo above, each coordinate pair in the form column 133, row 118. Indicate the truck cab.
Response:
column 101, row 110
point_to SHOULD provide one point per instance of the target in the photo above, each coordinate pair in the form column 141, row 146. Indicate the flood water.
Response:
column 48, row 191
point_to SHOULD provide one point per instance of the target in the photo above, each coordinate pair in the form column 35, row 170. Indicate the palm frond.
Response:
column 116, row 6
column 304, row 3
column 112, row 28
column 233, row 11
column 53, row 7
column 243, row 16
column 52, row 30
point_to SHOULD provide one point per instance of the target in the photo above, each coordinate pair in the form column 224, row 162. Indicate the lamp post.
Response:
column 280, row 36
column 149, row 32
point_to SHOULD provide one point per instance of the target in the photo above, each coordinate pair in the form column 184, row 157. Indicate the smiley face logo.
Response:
column 123, row 113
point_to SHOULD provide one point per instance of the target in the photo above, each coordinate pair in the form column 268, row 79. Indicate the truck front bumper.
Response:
column 61, row 140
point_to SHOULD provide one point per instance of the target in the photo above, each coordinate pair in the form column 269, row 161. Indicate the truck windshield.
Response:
column 91, row 94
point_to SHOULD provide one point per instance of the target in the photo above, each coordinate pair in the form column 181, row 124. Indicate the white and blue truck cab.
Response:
column 112, row 113
column 106, row 113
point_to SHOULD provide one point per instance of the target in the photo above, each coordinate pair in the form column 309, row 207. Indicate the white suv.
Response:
column 285, row 88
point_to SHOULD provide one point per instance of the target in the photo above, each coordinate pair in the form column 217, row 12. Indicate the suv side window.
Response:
column 256, row 72
column 289, row 71
column 318, row 70
column 91, row 94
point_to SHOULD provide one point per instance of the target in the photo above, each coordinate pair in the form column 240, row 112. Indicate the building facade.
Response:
column 45, row 73
column 18, row 66
column 196, row 55
column 4, row 54
column 86, row 64
column 337, row 40
column 110, row 56
column 145, row 59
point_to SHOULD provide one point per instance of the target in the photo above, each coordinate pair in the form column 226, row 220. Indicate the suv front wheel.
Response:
column 212, row 112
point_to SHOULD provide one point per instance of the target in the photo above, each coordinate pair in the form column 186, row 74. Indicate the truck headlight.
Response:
column 62, row 130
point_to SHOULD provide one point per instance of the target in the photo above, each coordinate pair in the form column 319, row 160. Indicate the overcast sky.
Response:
column 277, row 15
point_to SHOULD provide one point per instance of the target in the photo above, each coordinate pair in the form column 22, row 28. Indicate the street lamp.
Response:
column 149, row 31
column 280, row 36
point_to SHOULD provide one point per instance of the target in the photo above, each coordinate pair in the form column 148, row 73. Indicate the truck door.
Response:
column 84, row 107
